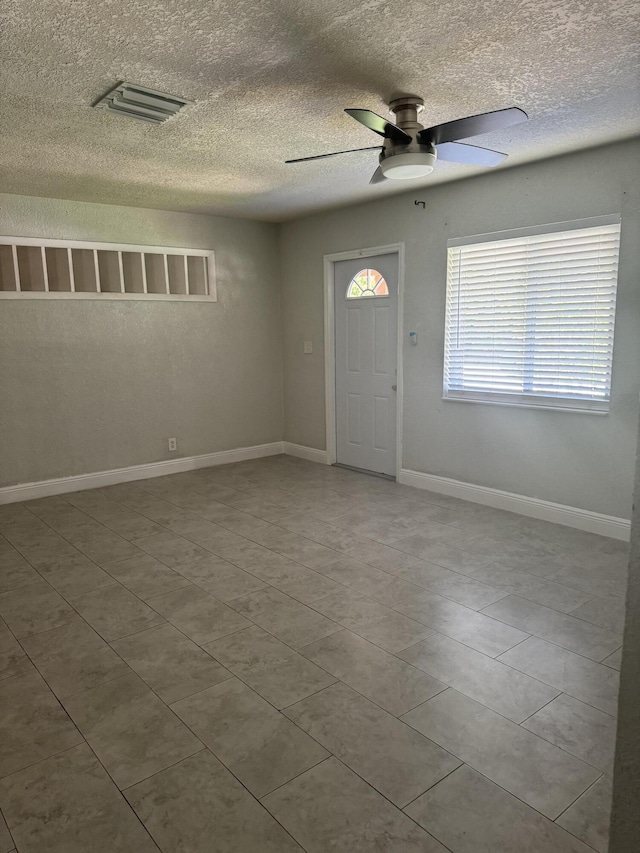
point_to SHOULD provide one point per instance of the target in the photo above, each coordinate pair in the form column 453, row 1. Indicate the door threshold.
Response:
column 364, row 471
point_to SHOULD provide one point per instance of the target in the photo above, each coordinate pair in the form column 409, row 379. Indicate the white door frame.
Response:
column 330, row 342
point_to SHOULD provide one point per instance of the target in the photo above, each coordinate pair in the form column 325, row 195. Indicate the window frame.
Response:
column 531, row 401
column 372, row 293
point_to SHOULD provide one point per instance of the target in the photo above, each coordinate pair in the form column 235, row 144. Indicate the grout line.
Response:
column 573, row 802
column 435, row 784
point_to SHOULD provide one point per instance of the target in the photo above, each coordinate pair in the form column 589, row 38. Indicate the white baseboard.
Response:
column 310, row 453
column 63, row 485
column 581, row 519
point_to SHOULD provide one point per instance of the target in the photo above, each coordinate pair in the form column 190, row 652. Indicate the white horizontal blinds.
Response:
column 530, row 319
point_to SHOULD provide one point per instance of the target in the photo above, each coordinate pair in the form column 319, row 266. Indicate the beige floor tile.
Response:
column 261, row 562
column 308, row 587
column 441, row 553
column 550, row 594
column 357, row 575
column 330, row 808
column 385, row 679
column 530, row 768
column 588, row 817
column 507, row 691
column 614, row 660
column 391, row 756
column 129, row 525
column 371, row 619
column 423, row 574
column 145, row 576
column 573, row 634
column 467, row 591
column 384, row 557
column 195, row 529
column 7, row 640
column 33, row 725
column 198, row 615
column 303, row 551
column 188, row 805
column 420, row 543
column 260, row 746
column 75, row 574
column 474, row 629
column 115, row 612
column 227, row 545
column 73, row 658
column 39, row 548
column 525, row 554
column 172, row 550
column 221, row 578
column 289, row 620
column 604, row 612
column 243, row 523
column 15, row 571
column 601, row 580
column 106, row 548
column 279, row 674
column 583, row 731
column 171, row 664
column 132, row 732
column 470, row 814
column 68, row 804
column 394, row 632
column 578, row 676
column 13, row 661
column 35, row 608
column 6, row 841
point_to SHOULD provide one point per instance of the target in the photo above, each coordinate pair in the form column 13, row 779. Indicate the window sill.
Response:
column 517, row 405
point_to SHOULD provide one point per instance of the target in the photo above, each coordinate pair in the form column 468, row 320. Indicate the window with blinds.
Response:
column 530, row 316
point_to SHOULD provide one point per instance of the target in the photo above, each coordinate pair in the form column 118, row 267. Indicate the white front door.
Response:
column 366, row 310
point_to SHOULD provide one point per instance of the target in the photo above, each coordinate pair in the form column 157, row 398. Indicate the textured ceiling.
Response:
column 270, row 79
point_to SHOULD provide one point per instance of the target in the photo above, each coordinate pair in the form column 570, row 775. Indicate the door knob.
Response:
column 394, row 387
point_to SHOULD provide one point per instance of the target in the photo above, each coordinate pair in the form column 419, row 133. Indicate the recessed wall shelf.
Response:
column 31, row 268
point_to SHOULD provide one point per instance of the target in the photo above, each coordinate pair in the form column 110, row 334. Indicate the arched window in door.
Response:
column 367, row 282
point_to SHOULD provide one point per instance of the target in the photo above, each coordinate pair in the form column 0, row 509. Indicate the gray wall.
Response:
column 88, row 385
column 575, row 459
column 625, row 814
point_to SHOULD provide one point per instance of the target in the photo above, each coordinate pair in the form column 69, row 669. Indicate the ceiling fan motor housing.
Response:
column 415, row 159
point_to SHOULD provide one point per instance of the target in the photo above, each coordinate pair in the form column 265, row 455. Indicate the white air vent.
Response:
column 128, row 99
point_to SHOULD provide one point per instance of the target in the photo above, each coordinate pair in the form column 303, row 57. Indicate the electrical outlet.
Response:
column 308, row 347
column 173, row 444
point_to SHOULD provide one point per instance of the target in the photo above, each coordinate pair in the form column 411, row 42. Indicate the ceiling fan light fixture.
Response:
column 407, row 166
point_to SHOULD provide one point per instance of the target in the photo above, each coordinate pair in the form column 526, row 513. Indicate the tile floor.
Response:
column 277, row 656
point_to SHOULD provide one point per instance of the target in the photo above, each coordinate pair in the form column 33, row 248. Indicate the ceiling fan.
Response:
column 410, row 150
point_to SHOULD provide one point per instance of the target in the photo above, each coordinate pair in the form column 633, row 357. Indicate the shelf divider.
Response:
column 121, row 272
column 72, row 280
column 144, row 273
column 45, row 268
column 16, row 270
column 96, row 266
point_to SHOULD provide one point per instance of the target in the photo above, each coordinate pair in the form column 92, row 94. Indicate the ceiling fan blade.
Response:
column 334, row 153
column 380, row 125
column 463, row 128
column 377, row 177
column 473, row 155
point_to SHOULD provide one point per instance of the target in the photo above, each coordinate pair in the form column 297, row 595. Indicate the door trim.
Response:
column 330, row 343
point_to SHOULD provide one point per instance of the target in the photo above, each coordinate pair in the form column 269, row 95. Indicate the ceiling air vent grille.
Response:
column 129, row 99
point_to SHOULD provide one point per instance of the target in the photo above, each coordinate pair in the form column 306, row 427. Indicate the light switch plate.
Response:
column 308, row 347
